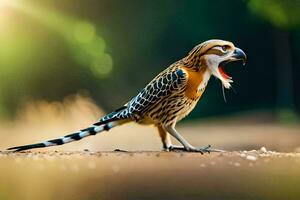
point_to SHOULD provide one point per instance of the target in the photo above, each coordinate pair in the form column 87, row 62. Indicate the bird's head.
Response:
column 215, row 54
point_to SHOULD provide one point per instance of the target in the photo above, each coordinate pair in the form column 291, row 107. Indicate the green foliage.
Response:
column 281, row 13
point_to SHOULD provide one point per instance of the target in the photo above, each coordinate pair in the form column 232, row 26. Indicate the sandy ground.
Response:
column 149, row 175
column 89, row 169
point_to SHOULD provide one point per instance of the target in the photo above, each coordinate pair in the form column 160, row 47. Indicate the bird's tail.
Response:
column 102, row 125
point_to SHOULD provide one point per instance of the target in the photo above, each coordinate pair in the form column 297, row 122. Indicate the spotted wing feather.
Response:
column 167, row 82
column 163, row 85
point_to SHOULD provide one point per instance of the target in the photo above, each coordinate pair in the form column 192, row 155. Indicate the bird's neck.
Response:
column 192, row 62
column 197, row 82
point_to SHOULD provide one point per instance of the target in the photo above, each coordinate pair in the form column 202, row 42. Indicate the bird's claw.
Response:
column 208, row 149
column 202, row 150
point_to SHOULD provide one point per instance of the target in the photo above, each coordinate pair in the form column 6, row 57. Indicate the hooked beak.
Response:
column 239, row 54
column 226, row 79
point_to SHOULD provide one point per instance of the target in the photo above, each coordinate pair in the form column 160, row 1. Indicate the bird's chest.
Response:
column 197, row 82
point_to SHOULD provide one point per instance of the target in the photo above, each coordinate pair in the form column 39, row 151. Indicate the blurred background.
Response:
column 65, row 63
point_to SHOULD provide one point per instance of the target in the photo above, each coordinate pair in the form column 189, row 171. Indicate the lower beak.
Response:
column 239, row 54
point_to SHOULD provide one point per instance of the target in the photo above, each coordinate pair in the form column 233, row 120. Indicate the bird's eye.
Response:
column 224, row 48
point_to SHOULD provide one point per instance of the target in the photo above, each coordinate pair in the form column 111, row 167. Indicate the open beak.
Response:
column 238, row 54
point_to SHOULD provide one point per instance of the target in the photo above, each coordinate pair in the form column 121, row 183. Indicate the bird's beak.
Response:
column 239, row 54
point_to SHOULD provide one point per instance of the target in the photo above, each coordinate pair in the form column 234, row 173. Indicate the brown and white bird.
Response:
column 168, row 98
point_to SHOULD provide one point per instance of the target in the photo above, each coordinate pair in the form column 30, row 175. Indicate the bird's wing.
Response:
column 166, row 83
column 169, row 81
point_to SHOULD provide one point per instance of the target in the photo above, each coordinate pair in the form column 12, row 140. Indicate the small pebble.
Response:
column 243, row 155
column 263, row 149
column 252, row 158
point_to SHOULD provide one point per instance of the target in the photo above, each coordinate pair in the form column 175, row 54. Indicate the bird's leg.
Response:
column 187, row 146
column 166, row 140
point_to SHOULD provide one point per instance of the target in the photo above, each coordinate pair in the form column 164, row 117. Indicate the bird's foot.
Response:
column 202, row 150
column 206, row 149
column 174, row 148
column 180, row 148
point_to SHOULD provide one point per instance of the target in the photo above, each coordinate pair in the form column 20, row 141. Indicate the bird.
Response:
column 168, row 98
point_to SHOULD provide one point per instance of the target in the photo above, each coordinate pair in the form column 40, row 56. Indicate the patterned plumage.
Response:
column 168, row 98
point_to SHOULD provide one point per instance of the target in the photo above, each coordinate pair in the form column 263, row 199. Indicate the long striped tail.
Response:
column 93, row 130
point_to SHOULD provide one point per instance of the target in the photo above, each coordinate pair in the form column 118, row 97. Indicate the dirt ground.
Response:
column 89, row 169
column 257, row 174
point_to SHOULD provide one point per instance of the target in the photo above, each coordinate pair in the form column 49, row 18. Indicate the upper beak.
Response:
column 239, row 54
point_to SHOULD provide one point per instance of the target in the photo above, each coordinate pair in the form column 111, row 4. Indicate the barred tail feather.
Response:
column 93, row 130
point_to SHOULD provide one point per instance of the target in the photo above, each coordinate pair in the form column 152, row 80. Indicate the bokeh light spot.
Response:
column 102, row 66
column 96, row 47
column 84, row 32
